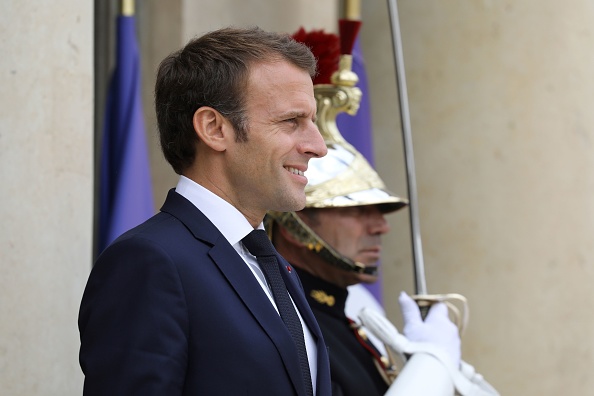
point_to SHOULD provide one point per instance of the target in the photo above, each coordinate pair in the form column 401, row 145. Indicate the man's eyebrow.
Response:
column 294, row 114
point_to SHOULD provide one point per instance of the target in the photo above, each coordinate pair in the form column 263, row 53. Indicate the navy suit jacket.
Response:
column 170, row 308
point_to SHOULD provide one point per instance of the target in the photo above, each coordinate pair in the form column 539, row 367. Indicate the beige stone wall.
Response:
column 500, row 95
column 46, row 153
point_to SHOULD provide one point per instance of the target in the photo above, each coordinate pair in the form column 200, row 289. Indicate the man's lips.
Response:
column 373, row 252
column 294, row 171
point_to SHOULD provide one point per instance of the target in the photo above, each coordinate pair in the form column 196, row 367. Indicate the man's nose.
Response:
column 378, row 225
column 315, row 145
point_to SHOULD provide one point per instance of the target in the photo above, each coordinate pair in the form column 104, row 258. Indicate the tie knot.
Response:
column 258, row 243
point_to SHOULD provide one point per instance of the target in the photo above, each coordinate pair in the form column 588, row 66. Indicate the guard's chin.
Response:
column 367, row 278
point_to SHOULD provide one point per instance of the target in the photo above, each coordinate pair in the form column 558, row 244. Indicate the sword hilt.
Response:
column 424, row 307
column 456, row 303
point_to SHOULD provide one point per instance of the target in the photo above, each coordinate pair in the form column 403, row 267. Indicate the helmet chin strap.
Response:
column 303, row 233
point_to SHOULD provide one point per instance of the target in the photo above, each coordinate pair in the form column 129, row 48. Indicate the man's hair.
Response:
column 213, row 71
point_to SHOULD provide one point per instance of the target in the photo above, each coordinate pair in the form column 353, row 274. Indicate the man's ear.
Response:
column 212, row 128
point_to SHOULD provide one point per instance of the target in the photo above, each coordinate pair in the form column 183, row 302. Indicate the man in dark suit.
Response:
column 178, row 305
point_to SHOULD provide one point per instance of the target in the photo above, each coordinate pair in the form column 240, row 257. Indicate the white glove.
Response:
column 425, row 352
column 436, row 329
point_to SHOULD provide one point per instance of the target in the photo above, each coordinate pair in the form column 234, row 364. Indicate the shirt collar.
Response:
column 230, row 221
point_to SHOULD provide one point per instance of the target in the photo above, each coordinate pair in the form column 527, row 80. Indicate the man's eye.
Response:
column 354, row 211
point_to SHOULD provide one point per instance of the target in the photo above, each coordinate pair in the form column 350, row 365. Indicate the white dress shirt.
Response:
column 234, row 227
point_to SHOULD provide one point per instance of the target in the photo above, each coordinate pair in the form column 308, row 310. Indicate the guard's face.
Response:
column 267, row 170
column 355, row 233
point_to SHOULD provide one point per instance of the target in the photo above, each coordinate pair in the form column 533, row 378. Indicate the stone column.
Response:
column 46, row 174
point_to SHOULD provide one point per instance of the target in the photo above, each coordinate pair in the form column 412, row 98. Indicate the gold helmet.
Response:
column 343, row 177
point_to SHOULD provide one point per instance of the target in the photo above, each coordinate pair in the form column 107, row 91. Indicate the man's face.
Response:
column 355, row 232
column 267, row 170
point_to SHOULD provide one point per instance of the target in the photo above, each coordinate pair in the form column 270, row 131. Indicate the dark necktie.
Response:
column 259, row 245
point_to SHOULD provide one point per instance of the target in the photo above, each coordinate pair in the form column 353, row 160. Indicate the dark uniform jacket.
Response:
column 352, row 367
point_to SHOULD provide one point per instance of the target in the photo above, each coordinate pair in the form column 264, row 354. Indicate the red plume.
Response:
column 326, row 49
column 348, row 33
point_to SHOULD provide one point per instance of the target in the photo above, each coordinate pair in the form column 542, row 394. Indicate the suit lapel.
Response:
column 250, row 291
column 242, row 280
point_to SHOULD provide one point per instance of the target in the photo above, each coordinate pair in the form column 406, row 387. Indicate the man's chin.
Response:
column 293, row 205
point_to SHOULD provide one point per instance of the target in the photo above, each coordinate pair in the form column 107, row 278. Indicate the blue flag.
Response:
column 357, row 130
column 126, row 197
